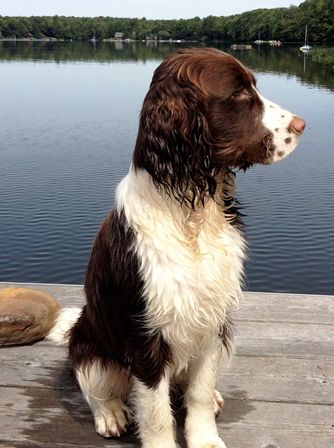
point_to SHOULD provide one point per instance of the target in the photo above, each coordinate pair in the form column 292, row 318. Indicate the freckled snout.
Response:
column 286, row 129
column 297, row 125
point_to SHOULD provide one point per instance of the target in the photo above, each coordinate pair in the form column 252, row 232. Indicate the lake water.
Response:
column 68, row 122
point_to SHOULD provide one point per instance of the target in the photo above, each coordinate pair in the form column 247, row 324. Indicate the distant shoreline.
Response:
column 164, row 41
column 31, row 39
column 285, row 24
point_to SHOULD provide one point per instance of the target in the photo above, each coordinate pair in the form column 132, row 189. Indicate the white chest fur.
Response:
column 191, row 264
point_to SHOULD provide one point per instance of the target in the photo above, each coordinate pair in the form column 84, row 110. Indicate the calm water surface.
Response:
column 68, row 122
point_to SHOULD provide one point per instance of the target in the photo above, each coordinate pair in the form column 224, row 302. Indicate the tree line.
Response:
column 285, row 24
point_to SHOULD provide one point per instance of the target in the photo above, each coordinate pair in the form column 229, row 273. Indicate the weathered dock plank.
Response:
column 257, row 307
column 273, row 379
column 278, row 390
column 31, row 415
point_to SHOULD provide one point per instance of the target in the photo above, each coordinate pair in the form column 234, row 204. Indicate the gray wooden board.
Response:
column 272, row 379
column 279, row 388
column 262, row 307
column 61, row 416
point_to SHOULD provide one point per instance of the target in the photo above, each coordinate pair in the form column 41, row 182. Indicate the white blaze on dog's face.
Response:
column 285, row 127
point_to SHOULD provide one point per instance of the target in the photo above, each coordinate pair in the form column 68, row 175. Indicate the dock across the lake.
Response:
column 278, row 389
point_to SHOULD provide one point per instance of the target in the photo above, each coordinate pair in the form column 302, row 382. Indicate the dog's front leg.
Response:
column 200, row 428
column 154, row 414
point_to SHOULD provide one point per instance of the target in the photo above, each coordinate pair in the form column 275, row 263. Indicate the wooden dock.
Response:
column 278, row 390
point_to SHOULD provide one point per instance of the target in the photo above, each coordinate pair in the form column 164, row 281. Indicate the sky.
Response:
column 151, row 9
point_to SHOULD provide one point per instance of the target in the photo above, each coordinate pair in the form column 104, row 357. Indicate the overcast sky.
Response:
column 151, row 9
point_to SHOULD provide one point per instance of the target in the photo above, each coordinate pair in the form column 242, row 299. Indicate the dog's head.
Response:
column 203, row 113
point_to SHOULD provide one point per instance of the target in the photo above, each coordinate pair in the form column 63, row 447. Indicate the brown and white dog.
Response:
column 167, row 264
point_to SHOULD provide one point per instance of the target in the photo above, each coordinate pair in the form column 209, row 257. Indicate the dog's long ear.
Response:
column 173, row 142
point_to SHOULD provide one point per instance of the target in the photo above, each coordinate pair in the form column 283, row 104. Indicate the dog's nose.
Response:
column 297, row 125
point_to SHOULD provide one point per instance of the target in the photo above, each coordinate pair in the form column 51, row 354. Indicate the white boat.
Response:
column 306, row 47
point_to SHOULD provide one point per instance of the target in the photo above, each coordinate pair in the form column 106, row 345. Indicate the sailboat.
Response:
column 93, row 39
column 306, row 47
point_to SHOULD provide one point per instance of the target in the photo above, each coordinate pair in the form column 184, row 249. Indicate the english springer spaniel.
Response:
column 167, row 264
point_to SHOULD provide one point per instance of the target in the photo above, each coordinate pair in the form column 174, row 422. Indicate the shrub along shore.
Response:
column 323, row 56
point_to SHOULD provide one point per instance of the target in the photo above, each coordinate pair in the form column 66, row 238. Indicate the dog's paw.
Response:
column 218, row 402
column 112, row 419
column 210, row 442
column 214, row 443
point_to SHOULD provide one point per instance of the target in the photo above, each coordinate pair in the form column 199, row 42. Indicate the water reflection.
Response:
column 285, row 59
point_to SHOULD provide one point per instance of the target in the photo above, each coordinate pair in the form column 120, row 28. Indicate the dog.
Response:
column 166, row 267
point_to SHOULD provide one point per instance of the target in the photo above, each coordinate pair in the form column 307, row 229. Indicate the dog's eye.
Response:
column 241, row 93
